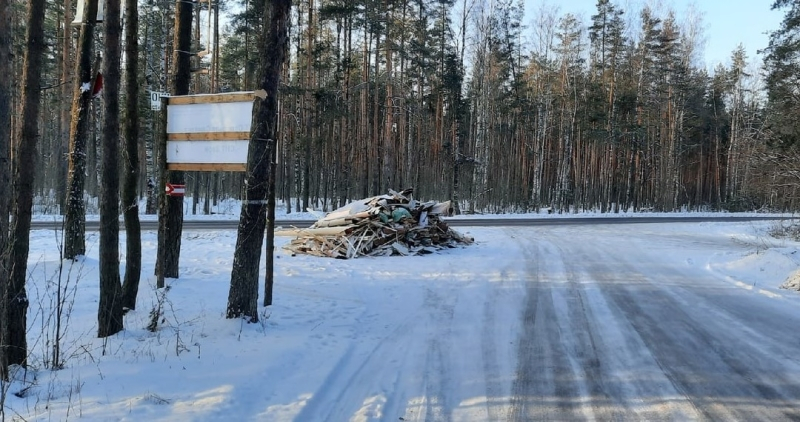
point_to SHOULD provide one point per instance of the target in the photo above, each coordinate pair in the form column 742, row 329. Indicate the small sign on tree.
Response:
column 175, row 189
column 155, row 100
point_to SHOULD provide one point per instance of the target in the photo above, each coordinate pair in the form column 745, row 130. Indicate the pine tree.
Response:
column 24, row 167
column 130, row 203
column 109, row 312
column 782, row 62
column 243, row 293
column 170, row 214
column 5, row 176
column 75, row 216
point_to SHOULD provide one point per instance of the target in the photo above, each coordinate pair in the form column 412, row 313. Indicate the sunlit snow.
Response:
column 419, row 338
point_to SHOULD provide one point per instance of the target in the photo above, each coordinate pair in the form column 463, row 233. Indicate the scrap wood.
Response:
column 393, row 224
column 314, row 231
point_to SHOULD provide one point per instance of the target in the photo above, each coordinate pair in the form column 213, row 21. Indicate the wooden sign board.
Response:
column 209, row 132
column 79, row 12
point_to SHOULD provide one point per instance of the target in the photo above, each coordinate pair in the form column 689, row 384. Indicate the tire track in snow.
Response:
column 494, row 347
column 568, row 371
column 718, row 372
column 523, row 384
column 632, row 378
column 360, row 373
column 566, row 376
column 585, row 336
column 549, row 383
column 649, row 391
column 437, row 378
column 489, row 355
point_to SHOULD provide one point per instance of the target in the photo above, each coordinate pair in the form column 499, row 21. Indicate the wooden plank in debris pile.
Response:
column 351, row 251
column 321, row 231
column 442, row 208
column 330, row 248
column 401, row 248
column 336, row 222
column 293, row 232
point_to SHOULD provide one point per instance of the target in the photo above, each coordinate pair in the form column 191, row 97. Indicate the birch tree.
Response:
column 568, row 51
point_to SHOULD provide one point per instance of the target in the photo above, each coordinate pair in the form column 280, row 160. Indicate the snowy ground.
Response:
column 589, row 322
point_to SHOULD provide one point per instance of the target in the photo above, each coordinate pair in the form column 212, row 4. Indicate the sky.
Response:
column 727, row 22
column 415, row 338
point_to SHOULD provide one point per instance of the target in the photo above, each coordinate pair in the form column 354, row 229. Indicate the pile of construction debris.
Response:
column 393, row 224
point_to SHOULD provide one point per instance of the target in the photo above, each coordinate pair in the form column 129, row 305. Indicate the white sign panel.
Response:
column 79, row 12
column 199, row 152
column 155, row 100
column 205, row 130
column 209, row 117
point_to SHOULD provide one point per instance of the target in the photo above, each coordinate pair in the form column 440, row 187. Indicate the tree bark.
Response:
column 243, row 294
column 24, row 169
column 75, row 218
column 133, row 239
column 308, row 139
column 64, row 119
column 109, row 312
column 269, row 277
column 171, row 212
column 5, row 174
column 389, row 169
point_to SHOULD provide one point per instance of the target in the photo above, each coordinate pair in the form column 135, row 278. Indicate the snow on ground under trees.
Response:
column 333, row 325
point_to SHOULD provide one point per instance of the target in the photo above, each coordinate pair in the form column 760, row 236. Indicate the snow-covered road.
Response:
column 570, row 323
column 679, row 321
column 636, row 326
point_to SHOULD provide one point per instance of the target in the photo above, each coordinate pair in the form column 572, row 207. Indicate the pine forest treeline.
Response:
column 613, row 114
column 460, row 99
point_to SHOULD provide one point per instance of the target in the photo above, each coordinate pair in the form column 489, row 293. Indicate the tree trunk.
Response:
column 243, row 294
column 75, row 218
column 5, row 176
column 24, row 169
column 195, row 176
column 309, row 111
column 455, row 187
column 66, row 75
column 109, row 312
column 269, row 277
column 364, row 130
column 171, row 213
column 207, row 194
column 389, row 169
column 374, row 157
column 215, row 57
column 133, row 239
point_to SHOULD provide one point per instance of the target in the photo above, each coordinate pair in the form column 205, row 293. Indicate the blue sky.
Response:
column 727, row 23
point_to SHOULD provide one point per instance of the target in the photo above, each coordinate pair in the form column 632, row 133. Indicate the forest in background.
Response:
column 460, row 99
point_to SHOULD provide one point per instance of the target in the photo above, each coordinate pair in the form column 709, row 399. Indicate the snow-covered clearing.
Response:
column 444, row 337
